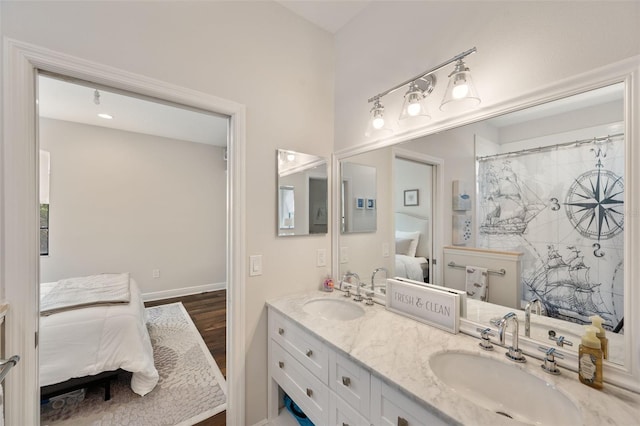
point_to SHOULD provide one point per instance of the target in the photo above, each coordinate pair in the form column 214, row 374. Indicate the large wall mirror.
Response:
column 302, row 194
column 550, row 181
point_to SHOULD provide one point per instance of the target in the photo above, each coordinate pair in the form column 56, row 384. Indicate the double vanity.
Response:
column 347, row 363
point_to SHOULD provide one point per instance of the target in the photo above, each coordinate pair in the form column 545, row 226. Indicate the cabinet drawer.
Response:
column 311, row 395
column 308, row 350
column 341, row 414
column 390, row 407
column 350, row 382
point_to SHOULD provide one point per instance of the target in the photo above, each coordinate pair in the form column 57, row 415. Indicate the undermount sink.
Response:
column 333, row 309
column 505, row 389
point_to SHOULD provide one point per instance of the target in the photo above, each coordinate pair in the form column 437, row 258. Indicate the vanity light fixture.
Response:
column 377, row 115
column 414, row 104
column 460, row 89
column 105, row 116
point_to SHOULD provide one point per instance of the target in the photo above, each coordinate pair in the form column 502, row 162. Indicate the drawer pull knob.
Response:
column 280, row 364
column 281, row 331
column 345, row 424
column 346, row 381
column 309, row 392
column 402, row 422
column 309, row 352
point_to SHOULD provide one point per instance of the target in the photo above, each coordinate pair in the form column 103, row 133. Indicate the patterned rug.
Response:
column 191, row 387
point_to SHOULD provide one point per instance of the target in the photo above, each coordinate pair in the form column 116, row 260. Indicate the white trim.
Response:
column 184, row 291
column 20, row 243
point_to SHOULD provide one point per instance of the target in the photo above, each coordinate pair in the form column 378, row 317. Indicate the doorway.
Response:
column 418, row 205
column 21, row 215
column 128, row 185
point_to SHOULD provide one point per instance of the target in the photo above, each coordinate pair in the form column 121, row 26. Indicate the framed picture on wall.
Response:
column 359, row 203
column 411, row 197
column 371, row 203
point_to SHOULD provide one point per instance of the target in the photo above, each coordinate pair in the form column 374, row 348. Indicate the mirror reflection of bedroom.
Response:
column 133, row 205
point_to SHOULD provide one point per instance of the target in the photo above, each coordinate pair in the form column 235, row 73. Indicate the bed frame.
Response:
column 103, row 379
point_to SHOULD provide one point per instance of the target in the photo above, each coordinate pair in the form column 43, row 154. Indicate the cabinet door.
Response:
column 307, row 349
column 390, row 407
column 341, row 414
column 311, row 395
column 350, row 381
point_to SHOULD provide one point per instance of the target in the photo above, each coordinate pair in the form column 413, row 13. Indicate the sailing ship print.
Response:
column 508, row 204
column 564, row 286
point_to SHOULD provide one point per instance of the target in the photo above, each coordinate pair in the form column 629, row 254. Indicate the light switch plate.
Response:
column 321, row 257
column 385, row 249
column 255, row 265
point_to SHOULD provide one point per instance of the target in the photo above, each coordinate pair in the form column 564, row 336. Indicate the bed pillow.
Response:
column 403, row 245
column 414, row 237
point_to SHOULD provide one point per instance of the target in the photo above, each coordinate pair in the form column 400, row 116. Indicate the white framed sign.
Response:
column 432, row 306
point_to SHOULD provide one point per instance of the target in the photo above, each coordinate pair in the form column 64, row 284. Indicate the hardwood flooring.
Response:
column 209, row 314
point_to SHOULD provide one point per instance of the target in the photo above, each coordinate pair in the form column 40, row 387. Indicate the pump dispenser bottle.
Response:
column 590, row 359
column 596, row 321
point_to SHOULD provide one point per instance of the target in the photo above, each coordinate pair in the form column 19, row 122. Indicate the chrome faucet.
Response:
column 373, row 277
column 346, row 278
column 514, row 353
column 527, row 314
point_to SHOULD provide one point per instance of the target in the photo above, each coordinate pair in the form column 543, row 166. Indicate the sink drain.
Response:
column 502, row 413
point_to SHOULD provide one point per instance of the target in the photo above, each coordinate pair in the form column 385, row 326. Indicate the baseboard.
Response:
column 185, row 291
column 261, row 423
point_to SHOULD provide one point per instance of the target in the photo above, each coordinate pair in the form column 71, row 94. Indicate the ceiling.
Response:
column 74, row 101
column 327, row 14
column 62, row 100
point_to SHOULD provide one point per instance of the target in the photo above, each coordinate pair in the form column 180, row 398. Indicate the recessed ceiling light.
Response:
column 105, row 116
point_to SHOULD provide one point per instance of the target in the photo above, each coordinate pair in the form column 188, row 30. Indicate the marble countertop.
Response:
column 398, row 349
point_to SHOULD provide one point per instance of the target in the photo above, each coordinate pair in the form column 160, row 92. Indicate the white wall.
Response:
column 123, row 201
column 364, row 249
column 255, row 53
column 413, row 175
column 521, row 46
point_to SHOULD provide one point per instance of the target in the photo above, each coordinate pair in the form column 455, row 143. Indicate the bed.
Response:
column 91, row 340
column 412, row 247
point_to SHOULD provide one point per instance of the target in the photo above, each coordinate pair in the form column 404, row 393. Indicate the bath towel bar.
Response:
column 491, row 271
column 6, row 364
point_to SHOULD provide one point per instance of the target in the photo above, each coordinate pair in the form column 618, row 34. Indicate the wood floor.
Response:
column 209, row 313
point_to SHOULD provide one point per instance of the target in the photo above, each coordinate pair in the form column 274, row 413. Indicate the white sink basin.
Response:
column 333, row 309
column 505, row 389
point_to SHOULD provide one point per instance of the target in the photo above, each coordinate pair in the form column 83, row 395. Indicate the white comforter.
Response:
column 88, row 341
column 409, row 267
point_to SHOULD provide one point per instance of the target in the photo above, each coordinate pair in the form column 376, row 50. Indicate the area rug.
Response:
column 191, row 387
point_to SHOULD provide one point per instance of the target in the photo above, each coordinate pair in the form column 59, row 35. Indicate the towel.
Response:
column 476, row 283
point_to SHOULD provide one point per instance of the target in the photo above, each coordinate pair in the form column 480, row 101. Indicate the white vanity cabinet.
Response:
column 330, row 387
column 390, row 407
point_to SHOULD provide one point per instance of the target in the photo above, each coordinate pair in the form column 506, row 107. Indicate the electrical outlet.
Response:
column 155, row 273
column 344, row 254
column 321, row 257
column 255, row 265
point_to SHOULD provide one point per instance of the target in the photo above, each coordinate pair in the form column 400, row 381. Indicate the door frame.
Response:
column 437, row 207
column 19, row 214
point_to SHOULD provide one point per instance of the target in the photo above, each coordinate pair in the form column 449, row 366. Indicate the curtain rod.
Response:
column 549, row 147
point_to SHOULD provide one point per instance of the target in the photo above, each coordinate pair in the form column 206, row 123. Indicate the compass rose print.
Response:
column 595, row 204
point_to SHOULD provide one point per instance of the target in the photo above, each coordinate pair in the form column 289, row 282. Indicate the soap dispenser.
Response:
column 590, row 359
column 596, row 321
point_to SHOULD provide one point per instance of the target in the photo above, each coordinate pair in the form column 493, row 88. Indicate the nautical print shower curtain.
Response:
column 563, row 207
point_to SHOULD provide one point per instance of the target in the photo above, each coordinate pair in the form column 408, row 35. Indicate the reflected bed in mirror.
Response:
column 302, row 194
column 550, row 185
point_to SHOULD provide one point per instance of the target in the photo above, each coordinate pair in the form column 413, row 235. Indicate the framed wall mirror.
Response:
column 302, row 194
column 551, row 179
